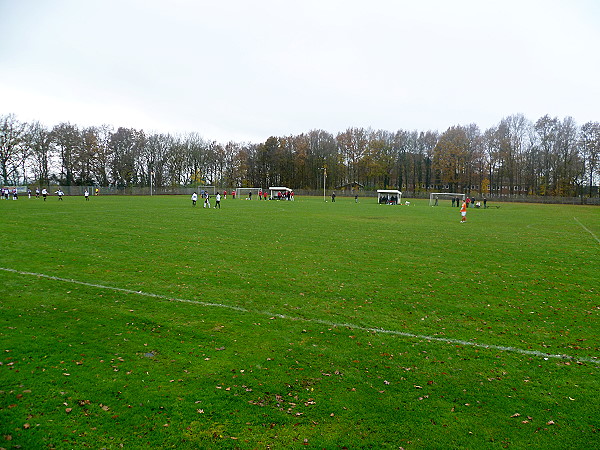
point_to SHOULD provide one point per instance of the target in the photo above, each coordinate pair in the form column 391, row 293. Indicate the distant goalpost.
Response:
column 210, row 189
column 239, row 192
column 435, row 197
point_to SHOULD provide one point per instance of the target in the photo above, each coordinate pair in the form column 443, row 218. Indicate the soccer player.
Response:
column 463, row 212
column 218, row 201
column 86, row 194
column 194, row 198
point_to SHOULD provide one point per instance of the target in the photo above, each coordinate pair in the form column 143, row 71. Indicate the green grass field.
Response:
column 144, row 322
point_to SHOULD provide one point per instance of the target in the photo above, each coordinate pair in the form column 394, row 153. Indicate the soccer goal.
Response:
column 245, row 192
column 210, row 189
column 436, row 197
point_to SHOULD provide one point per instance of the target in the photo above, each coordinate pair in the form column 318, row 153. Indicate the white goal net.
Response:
column 447, row 198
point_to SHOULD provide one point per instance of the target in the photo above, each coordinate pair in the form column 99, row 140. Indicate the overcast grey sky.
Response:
column 244, row 70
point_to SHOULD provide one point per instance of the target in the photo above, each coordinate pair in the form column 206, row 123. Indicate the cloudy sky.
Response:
column 244, row 70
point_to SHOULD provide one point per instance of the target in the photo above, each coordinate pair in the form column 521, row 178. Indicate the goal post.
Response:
column 245, row 192
column 436, row 197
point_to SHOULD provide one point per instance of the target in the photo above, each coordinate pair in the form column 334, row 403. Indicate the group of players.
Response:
column 206, row 196
column 5, row 193
column 262, row 195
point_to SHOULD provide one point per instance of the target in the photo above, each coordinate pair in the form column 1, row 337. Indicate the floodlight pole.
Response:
column 151, row 179
column 324, row 180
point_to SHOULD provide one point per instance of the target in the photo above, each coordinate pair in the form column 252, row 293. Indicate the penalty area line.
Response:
column 317, row 321
column 127, row 291
column 586, row 229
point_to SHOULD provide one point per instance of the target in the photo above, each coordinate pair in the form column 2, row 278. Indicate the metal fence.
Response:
column 176, row 190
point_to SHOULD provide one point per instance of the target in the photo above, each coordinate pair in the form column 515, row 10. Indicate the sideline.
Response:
column 586, row 229
column 319, row 321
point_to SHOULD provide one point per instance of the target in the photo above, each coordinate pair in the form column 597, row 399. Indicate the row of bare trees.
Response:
column 547, row 157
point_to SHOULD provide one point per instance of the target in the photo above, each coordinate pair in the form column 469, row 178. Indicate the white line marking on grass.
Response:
column 586, row 229
column 319, row 321
column 127, row 291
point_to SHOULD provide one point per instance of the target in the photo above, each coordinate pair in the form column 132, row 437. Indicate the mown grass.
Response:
column 279, row 325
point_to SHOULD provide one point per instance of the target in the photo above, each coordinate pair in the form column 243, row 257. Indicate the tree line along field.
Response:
column 143, row 321
column 517, row 157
